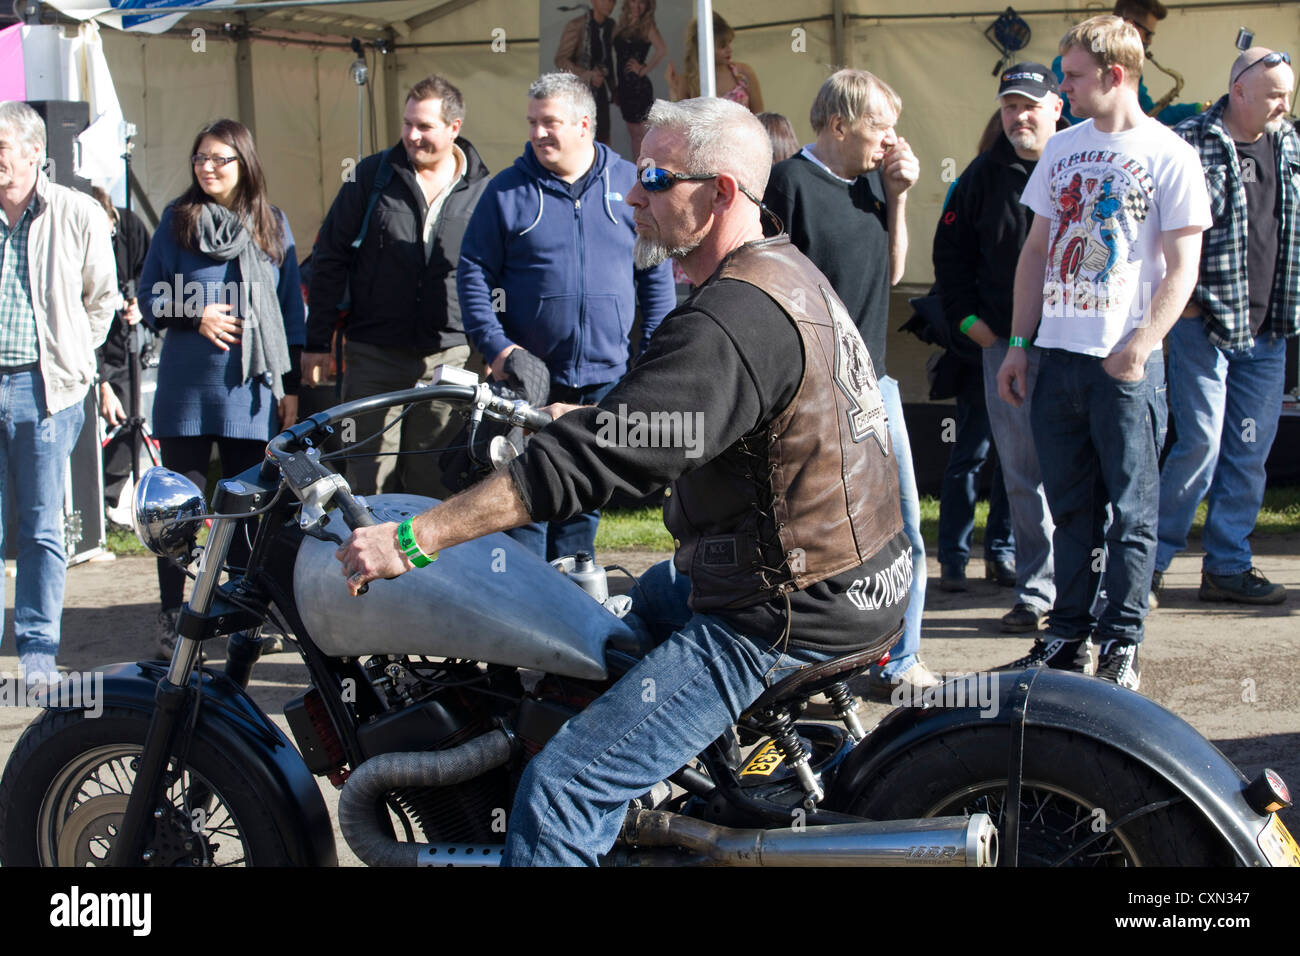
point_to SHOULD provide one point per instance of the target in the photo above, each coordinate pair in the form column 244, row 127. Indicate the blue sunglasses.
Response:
column 1268, row 59
column 656, row 180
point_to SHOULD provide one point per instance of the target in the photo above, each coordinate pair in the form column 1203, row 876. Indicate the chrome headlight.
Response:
column 161, row 497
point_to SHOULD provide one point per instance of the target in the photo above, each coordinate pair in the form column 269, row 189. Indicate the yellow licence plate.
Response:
column 1279, row 845
column 765, row 760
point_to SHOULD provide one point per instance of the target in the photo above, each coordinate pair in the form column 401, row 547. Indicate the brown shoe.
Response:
column 1023, row 619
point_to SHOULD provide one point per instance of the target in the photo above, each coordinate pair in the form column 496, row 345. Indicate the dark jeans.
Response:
column 1096, row 440
column 960, row 485
column 555, row 539
column 190, row 456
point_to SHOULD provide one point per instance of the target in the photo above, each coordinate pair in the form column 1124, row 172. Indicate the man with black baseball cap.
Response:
column 979, row 238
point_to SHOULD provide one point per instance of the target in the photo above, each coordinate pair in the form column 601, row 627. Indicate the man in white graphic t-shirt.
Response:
column 1110, row 261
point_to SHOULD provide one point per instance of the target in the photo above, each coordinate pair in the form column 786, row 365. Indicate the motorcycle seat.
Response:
column 815, row 678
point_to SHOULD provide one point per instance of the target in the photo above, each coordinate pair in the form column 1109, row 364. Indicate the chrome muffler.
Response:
column 938, row 841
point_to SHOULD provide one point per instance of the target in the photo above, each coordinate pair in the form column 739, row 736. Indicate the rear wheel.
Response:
column 65, row 789
column 1081, row 802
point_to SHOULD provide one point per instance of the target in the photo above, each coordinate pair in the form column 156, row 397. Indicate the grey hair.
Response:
column 25, row 123
column 570, row 89
column 852, row 95
column 721, row 137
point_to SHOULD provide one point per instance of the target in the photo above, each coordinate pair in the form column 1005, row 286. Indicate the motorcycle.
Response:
column 426, row 701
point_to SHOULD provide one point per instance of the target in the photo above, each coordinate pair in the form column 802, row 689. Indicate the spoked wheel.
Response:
column 1056, row 827
column 1081, row 803
column 65, row 790
column 85, row 804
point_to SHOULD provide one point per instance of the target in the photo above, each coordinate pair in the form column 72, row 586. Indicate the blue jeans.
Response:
column 555, row 539
column 1031, row 519
column 903, row 654
column 960, row 486
column 1096, row 440
column 1226, row 406
column 34, row 452
column 573, row 796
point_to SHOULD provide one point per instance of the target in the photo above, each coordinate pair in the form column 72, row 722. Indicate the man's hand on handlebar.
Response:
column 372, row 553
column 556, row 409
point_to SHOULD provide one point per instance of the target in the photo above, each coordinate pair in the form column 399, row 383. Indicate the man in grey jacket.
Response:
column 58, row 292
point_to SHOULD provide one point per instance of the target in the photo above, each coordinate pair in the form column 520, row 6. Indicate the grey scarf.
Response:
column 266, row 353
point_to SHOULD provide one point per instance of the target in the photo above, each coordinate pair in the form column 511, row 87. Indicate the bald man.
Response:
column 1227, row 354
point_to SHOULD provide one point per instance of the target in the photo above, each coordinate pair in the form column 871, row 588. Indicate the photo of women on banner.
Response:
column 619, row 48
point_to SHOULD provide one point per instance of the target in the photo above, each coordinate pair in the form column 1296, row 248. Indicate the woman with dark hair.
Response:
column 781, row 133
column 221, row 278
column 734, row 81
column 633, row 41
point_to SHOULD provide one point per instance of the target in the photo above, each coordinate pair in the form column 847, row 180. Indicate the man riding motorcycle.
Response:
column 757, row 401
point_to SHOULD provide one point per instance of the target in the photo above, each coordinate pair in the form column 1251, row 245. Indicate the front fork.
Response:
column 172, row 701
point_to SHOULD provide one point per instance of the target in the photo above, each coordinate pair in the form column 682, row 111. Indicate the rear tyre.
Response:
column 65, row 788
column 1074, row 791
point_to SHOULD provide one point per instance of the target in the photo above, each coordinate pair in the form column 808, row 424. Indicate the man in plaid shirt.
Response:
column 1227, row 355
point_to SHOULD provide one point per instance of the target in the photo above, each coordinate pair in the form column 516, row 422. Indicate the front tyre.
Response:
column 1075, row 791
column 65, row 788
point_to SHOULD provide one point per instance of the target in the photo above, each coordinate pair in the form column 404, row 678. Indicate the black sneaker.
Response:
column 952, row 577
column 1002, row 573
column 1022, row 618
column 1248, row 587
column 1118, row 663
column 1157, row 588
column 167, row 635
column 1057, row 653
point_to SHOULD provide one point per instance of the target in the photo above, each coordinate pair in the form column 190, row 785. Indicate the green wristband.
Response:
column 967, row 322
column 1019, row 342
column 406, row 540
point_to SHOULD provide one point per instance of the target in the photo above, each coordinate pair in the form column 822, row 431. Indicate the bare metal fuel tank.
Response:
column 488, row 600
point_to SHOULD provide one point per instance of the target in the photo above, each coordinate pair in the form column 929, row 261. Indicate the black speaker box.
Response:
column 65, row 120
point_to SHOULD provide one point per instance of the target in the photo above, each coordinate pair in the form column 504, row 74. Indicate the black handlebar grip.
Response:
column 356, row 516
column 533, row 419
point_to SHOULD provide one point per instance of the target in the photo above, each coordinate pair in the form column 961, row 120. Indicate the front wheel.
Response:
column 1074, row 799
column 64, row 793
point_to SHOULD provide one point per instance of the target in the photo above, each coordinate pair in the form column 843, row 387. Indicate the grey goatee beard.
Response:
column 647, row 253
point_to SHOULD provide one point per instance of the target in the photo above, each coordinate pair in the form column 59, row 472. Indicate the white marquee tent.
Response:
column 284, row 70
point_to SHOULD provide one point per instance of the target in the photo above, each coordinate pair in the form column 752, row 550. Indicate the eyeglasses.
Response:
column 656, row 180
column 1146, row 35
column 1268, row 59
column 202, row 159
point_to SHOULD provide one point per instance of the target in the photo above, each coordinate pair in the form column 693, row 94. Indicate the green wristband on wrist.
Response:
column 1019, row 342
column 967, row 322
column 406, row 540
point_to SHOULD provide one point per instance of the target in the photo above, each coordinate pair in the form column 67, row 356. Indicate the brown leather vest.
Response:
column 812, row 493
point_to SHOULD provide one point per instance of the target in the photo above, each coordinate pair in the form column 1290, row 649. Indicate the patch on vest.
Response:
column 856, row 378
column 718, row 552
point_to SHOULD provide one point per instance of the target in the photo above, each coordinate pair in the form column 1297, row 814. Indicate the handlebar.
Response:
column 287, row 451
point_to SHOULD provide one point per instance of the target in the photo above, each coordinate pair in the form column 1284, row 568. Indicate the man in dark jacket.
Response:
column 547, row 267
column 409, row 205
column 975, row 250
column 785, row 497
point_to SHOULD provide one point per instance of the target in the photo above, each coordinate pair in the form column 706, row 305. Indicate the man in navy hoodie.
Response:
column 546, row 267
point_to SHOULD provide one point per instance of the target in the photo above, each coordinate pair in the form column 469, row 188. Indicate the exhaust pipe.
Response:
column 939, row 841
column 366, row 786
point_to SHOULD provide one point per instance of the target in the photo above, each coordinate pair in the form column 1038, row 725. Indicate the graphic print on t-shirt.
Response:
column 1100, row 199
column 856, row 378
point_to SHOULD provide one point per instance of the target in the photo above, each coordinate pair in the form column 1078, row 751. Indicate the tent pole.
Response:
column 244, row 78
column 704, row 43
column 837, row 31
column 393, row 105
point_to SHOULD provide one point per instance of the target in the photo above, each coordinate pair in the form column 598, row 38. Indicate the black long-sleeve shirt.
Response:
column 728, row 362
